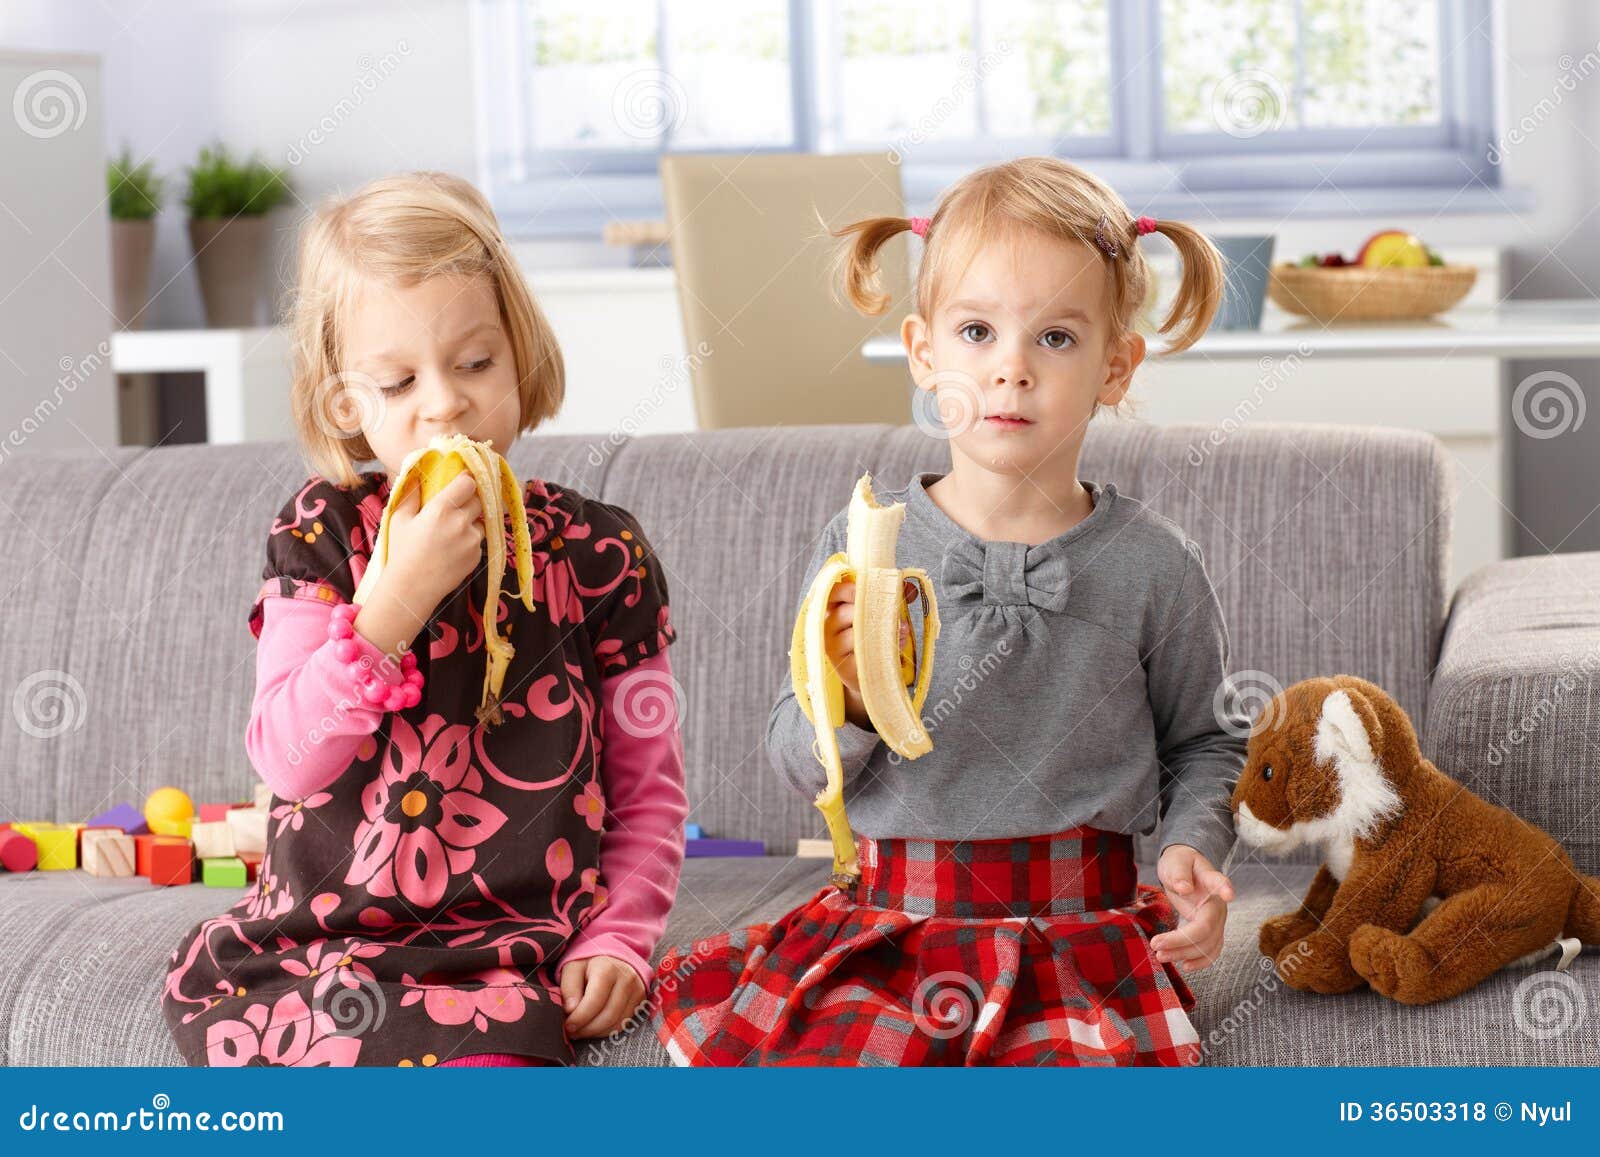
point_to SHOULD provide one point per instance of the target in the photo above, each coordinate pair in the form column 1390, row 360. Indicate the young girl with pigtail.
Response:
column 999, row 918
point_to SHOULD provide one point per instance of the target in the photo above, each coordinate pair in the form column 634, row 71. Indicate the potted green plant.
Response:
column 228, row 203
column 134, row 192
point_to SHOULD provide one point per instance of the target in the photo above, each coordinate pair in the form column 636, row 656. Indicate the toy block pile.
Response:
column 167, row 843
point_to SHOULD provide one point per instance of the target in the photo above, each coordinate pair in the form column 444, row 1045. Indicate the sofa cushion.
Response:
column 82, row 962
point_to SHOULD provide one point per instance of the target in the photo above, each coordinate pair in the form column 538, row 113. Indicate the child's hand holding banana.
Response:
column 841, row 645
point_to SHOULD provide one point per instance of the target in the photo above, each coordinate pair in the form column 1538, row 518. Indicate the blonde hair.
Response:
column 400, row 230
column 1056, row 198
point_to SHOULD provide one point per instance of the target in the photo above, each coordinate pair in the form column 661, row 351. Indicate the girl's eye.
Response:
column 1055, row 339
column 399, row 387
column 478, row 366
column 981, row 335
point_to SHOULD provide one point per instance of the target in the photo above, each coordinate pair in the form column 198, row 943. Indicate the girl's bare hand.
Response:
column 839, row 636
column 433, row 548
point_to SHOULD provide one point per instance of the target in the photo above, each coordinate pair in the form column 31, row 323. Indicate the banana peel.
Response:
column 884, row 667
column 431, row 468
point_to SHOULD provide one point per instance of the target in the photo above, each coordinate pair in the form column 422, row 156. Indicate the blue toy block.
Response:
column 125, row 816
column 693, row 832
column 705, row 847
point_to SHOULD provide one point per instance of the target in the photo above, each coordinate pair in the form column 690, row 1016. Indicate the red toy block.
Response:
column 213, row 812
column 252, row 865
column 141, row 853
column 171, row 860
column 18, row 853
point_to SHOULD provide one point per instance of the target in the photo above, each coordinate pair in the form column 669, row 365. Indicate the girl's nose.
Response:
column 441, row 401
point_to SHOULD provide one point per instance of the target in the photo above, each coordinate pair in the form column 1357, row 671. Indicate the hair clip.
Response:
column 1144, row 225
column 919, row 225
column 1103, row 238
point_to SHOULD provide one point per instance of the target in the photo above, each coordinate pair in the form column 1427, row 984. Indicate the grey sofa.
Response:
column 129, row 574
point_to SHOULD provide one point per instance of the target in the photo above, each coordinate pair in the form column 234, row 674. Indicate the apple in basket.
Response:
column 1395, row 276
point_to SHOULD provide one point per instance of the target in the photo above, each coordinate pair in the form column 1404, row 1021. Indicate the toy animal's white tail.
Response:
column 1583, row 917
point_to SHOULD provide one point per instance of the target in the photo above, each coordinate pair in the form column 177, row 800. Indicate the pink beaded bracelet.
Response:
column 341, row 631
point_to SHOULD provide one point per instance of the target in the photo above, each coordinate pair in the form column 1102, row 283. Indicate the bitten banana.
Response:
column 883, row 667
column 431, row 468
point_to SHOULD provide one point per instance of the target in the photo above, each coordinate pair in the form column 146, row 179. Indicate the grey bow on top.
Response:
column 1006, row 573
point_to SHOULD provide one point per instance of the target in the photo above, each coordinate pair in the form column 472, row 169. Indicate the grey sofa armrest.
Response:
column 1514, row 707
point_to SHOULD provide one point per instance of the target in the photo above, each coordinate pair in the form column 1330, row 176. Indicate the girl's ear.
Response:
column 915, row 335
column 1123, row 356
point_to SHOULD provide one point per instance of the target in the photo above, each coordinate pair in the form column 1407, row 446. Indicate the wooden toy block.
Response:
column 171, row 860
column 696, row 832
column 706, row 847
column 249, row 828
column 212, row 813
column 125, row 816
column 107, row 852
column 252, row 867
column 57, row 844
column 86, row 829
column 212, row 840
column 263, row 798
column 808, row 849
column 224, row 872
column 18, row 852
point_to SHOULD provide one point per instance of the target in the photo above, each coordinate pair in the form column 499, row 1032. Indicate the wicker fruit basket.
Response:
column 1369, row 293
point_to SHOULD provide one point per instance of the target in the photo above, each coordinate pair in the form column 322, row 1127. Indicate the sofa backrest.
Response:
column 125, row 653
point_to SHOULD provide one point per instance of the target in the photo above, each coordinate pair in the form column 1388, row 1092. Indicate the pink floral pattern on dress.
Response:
column 424, row 814
column 422, row 901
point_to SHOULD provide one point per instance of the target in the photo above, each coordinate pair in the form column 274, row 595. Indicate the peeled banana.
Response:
column 883, row 667
column 431, row 468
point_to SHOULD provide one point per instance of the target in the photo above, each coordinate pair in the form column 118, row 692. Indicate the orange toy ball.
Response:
column 169, row 812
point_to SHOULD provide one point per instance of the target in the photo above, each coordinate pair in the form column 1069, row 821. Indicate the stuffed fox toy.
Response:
column 1335, row 761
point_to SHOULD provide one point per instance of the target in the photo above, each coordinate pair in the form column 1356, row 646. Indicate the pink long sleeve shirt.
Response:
column 298, row 677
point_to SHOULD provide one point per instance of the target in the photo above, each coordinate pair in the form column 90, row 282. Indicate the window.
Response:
column 1239, row 101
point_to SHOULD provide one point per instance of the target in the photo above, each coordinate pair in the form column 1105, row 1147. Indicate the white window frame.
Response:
column 1445, row 167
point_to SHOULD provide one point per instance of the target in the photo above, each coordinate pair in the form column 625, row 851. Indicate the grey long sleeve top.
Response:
column 1080, row 681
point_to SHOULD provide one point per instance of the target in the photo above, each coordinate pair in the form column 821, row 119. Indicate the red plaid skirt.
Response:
column 1027, row 951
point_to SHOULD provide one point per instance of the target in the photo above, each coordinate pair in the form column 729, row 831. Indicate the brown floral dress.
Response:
column 415, row 909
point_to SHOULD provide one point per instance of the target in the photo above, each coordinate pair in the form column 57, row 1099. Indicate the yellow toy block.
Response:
column 57, row 844
column 108, row 853
column 212, row 840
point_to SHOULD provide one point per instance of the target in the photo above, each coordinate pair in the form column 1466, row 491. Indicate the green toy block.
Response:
column 223, row 872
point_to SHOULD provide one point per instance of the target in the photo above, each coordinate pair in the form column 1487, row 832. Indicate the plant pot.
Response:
column 132, row 243
column 229, row 255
